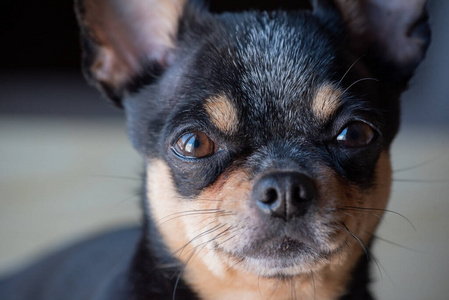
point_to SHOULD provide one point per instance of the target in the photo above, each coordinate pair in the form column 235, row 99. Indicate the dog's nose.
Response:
column 284, row 195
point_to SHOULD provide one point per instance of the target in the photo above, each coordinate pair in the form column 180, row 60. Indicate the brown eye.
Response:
column 194, row 145
column 356, row 135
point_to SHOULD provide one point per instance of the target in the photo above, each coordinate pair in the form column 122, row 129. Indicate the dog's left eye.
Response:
column 194, row 145
column 356, row 135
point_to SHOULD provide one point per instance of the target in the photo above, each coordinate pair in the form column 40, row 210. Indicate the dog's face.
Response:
column 263, row 152
column 266, row 135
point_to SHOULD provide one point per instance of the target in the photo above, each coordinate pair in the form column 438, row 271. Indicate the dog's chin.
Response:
column 281, row 257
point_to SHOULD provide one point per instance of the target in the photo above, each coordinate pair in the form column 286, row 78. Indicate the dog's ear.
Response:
column 121, row 40
column 392, row 35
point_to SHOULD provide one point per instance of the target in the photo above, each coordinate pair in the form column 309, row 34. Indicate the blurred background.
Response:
column 67, row 170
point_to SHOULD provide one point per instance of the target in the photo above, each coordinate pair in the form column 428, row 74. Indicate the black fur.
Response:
column 269, row 65
column 315, row 60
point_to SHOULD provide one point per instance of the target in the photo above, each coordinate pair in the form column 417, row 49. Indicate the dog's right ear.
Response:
column 127, row 40
column 392, row 36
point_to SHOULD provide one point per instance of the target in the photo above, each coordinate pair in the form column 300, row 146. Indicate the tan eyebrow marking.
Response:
column 222, row 113
column 326, row 101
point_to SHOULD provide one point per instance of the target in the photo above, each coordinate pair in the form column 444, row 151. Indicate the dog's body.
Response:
column 266, row 138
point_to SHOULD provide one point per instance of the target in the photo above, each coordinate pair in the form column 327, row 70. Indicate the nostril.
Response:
column 302, row 193
column 297, row 192
column 284, row 195
column 270, row 196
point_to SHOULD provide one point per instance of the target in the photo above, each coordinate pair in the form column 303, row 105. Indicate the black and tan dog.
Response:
column 266, row 137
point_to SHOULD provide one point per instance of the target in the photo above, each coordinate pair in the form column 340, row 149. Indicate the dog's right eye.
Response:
column 356, row 135
column 194, row 145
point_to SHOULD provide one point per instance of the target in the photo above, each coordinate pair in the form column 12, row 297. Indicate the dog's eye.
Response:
column 194, row 145
column 358, row 134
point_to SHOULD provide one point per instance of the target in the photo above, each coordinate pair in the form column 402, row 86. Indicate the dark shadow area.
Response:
column 38, row 35
column 40, row 70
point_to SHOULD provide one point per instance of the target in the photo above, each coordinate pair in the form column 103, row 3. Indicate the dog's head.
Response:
column 267, row 135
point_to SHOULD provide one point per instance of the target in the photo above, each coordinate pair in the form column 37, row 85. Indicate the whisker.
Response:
column 180, row 272
column 348, row 214
column 313, row 282
column 293, row 290
column 235, row 264
column 117, row 177
column 220, row 213
column 275, row 289
column 216, row 217
column 133, row 198
column 372, row 214
column 204, row 244
column 228, row 239
column 365, row 249
column 419, row 180
column 379, row 209
column 369, row 254
column 426, row 162
column 200, row 199
column 223, row 233
column 258, row 287
column 393, row 243
column 349, row 69
column 358, row 240
column 360, row 80
column 182, row 269
column 206, row 225
column 226, row 231
column 216, row 227
column 189, row 213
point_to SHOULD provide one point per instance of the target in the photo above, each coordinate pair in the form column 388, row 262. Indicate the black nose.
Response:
column 284, row 194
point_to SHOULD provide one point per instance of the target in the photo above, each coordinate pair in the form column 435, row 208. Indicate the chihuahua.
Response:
column 265, row 136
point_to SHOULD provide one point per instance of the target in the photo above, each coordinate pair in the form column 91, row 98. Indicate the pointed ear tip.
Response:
column 421, row 34
column 112, row 94
column 422, row 31
column 115, row 60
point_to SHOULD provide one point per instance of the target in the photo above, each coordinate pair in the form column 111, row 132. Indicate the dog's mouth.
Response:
column 279, row 256
column 286, row 229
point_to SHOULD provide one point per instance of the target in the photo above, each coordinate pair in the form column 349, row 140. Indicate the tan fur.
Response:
column 326, row 102
column 219, row 276
column 222, row 113
column 362, row 223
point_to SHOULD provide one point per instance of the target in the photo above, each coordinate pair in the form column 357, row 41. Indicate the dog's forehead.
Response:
column 282, row 70
column 281, row 56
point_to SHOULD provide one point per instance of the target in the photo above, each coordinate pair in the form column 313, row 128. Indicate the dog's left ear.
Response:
column 392, row 35
column 121, row 39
